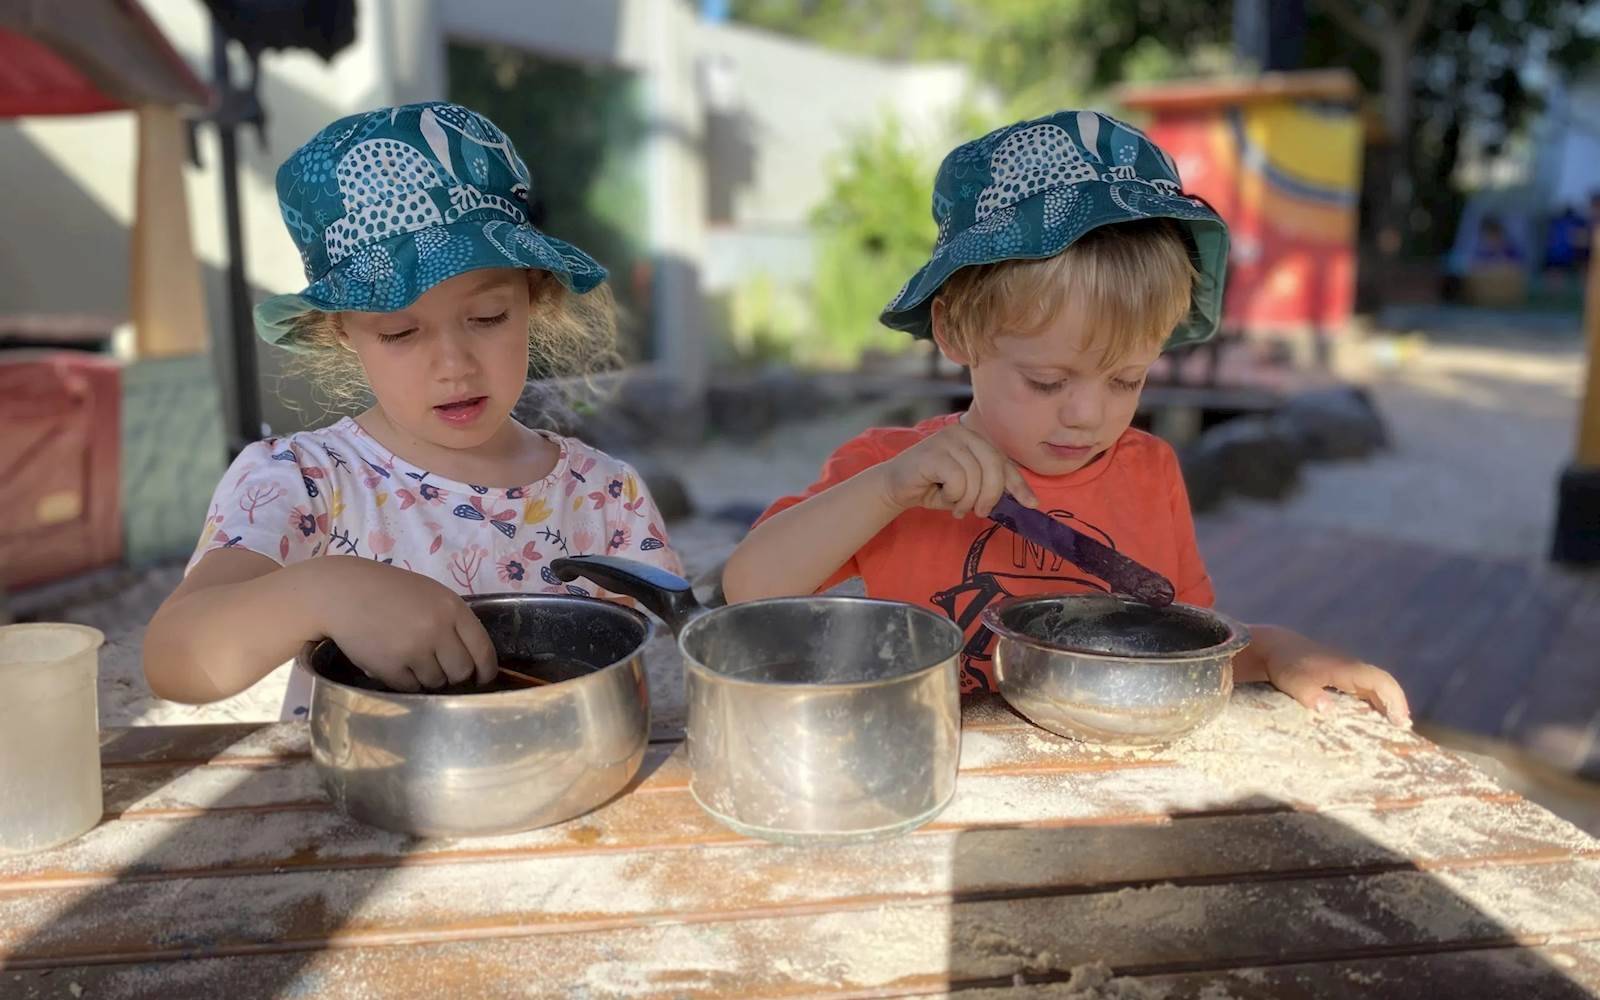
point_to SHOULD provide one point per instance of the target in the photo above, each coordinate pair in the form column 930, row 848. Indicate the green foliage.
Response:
column 1041, row 54
column 873, row 231
column 579, row 128
column 768, row 322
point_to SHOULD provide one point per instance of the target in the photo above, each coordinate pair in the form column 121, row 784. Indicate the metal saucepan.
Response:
column 472, row 762
column 1113, row 670
column 810, row 719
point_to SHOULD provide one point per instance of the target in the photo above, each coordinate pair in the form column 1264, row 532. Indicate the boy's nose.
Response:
column 1081, row 406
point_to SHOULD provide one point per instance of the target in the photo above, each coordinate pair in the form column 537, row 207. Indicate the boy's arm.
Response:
column 1304, row 669
column 1295, row 664
column 796, row 550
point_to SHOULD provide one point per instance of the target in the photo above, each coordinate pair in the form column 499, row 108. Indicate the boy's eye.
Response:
column 1128, row 385
column 490, row 320
column 390, row 338
column 1045, row 387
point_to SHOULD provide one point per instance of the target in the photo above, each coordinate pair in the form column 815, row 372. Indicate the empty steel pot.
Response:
column 1112, row 670
column 457, row 765
column 810, row 719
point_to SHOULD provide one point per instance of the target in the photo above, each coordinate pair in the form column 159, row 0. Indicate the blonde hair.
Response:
column 1135, row 279
column 568, row 335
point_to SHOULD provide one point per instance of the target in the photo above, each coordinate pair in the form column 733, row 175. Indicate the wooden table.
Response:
column 1270, row 855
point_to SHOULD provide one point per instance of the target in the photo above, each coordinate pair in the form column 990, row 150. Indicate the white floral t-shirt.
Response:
column 337, row 492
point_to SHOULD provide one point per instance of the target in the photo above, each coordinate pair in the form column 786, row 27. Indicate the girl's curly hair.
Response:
column 568, row 335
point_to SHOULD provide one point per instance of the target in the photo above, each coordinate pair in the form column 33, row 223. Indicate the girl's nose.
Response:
column 453, row 356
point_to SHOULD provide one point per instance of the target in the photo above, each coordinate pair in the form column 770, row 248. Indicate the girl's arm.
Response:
column 238, row 615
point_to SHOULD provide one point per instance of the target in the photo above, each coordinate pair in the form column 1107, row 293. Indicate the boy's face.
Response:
column 1047, row 400
column 448, row 368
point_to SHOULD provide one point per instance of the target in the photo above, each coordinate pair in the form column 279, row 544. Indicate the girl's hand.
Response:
column 402, row 628
column 1304, row 669
column 954, row 470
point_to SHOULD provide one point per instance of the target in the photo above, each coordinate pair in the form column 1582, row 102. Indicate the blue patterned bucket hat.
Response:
column 385, row 205
column 1030, row 190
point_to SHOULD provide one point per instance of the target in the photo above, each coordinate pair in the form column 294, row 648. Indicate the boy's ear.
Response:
column 954, row 354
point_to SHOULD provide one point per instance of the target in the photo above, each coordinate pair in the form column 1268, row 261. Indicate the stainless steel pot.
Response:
column 487, row 762
column 1112, row 670
column 810, row 719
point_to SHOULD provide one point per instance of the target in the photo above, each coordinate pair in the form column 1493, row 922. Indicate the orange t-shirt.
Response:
column 1132, row 498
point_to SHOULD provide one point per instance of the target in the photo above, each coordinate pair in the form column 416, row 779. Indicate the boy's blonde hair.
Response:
column 568, row 335
column 1135, row 280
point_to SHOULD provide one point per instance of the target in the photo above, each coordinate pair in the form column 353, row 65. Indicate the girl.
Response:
column 428, row 288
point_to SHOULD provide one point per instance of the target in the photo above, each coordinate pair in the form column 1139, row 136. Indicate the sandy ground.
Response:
column 1482, row 426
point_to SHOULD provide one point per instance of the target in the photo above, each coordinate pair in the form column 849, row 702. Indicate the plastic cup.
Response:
column 49, row 735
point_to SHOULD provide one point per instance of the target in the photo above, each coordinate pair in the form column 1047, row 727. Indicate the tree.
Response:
column 1437, row 66
column 1040, row 54
column 1471, row 67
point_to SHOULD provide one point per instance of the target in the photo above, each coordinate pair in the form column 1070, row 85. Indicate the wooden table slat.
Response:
column 557, row 893
column 921, row 947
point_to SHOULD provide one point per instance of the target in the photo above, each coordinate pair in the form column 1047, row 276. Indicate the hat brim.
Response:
column 989, row 242
column 391, row 275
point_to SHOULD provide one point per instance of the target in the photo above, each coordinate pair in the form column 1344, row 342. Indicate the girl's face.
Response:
column 448, row 368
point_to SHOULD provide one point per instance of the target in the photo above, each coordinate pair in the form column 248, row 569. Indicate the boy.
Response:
column 1067, row 259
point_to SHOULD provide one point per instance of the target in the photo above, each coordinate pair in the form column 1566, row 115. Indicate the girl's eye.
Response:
column 1045, row 387
column 391, row 338
column 1128, row 385
column 487, row 321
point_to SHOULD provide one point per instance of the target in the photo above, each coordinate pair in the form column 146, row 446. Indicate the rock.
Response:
column 549, row 406
column 667, row 490
column 1202, row 477
column 1337, row 423
column 615, row 413
column 1251, row 456
column 743, row 514
column 747, row 408
column 656, row 410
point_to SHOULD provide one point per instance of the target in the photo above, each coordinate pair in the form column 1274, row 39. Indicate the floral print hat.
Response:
column 1029, row 190
column 385, row 205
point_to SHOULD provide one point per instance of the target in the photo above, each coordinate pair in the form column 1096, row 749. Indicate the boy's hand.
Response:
column 954, row 470
column 402, row 628
column 1304, row 669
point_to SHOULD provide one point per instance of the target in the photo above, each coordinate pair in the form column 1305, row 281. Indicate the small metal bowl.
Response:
column 457, row 764
column 1109, row 669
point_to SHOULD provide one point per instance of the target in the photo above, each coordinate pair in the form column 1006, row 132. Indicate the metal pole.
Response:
column 246, row 389
column 1589, row 409
column 1577, row 531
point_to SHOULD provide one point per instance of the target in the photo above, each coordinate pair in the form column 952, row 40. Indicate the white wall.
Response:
column 802, row 105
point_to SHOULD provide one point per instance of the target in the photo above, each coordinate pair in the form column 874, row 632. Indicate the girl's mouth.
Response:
column 462, row 411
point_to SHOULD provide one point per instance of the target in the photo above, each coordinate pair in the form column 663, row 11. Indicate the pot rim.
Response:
column 1238, row 635
column 302, row 660
column 692, row 665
